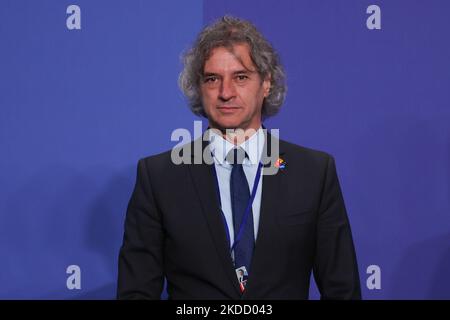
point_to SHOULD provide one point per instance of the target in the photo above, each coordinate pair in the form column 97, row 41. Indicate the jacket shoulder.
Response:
column 158, row 162
column 304, row 153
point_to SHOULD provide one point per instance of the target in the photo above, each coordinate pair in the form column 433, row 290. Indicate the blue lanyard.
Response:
column 238, row 235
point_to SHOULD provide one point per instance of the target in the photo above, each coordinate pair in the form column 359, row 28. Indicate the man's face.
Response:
column 232, row 90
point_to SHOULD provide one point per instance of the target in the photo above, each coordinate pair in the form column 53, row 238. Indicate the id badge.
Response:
column 242, row 276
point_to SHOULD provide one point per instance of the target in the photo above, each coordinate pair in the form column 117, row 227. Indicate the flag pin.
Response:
column 280, row 163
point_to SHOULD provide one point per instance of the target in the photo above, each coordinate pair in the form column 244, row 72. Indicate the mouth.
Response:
column 228, row 108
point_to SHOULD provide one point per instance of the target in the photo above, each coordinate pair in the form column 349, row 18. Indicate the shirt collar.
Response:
column 253, row 147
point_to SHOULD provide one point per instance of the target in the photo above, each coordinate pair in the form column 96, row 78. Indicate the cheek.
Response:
column 209, row 93
column 252, row 98
column 206, row 98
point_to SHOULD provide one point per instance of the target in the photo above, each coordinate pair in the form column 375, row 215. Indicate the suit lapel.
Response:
column 271, row 191
column 203, row 178
column 205, row 185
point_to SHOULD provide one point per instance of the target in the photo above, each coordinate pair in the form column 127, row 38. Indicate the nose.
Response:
column 227, row 90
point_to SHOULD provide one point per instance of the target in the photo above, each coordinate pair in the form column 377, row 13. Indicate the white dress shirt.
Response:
column 253, row 147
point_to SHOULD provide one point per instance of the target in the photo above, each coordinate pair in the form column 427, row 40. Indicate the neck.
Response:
column 237, row 135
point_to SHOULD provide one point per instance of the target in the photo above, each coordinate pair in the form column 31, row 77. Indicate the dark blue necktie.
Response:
column 240, row 196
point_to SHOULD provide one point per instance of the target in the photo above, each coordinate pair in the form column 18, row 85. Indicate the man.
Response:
column 229, row 229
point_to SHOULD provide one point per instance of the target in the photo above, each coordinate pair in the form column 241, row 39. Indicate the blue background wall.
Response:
column 78, row 108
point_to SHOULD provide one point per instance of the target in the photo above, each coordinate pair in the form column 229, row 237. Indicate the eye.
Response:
column 210, row 79
column 241, row 77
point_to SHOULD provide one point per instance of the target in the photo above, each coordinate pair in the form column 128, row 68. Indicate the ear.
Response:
column 266, row 85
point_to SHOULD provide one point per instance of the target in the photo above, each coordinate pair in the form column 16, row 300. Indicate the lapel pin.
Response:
column 280, row 163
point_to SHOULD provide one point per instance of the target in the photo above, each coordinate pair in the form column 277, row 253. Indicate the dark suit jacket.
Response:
column 174, row 229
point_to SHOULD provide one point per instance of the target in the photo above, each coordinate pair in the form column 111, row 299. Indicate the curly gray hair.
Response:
column 226, row 32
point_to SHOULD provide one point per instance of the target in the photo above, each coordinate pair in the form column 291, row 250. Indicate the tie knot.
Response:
column 236, row 156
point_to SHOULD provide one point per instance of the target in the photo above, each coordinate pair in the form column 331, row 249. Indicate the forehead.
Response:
column 224, row 58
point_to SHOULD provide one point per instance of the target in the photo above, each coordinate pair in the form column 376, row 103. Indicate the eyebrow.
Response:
column 208, row 74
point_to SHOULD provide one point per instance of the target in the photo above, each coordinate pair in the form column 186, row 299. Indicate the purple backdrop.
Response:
column 80, row 107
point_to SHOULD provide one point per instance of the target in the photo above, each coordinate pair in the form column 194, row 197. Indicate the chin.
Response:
column 231, row 126
column 228, row 123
